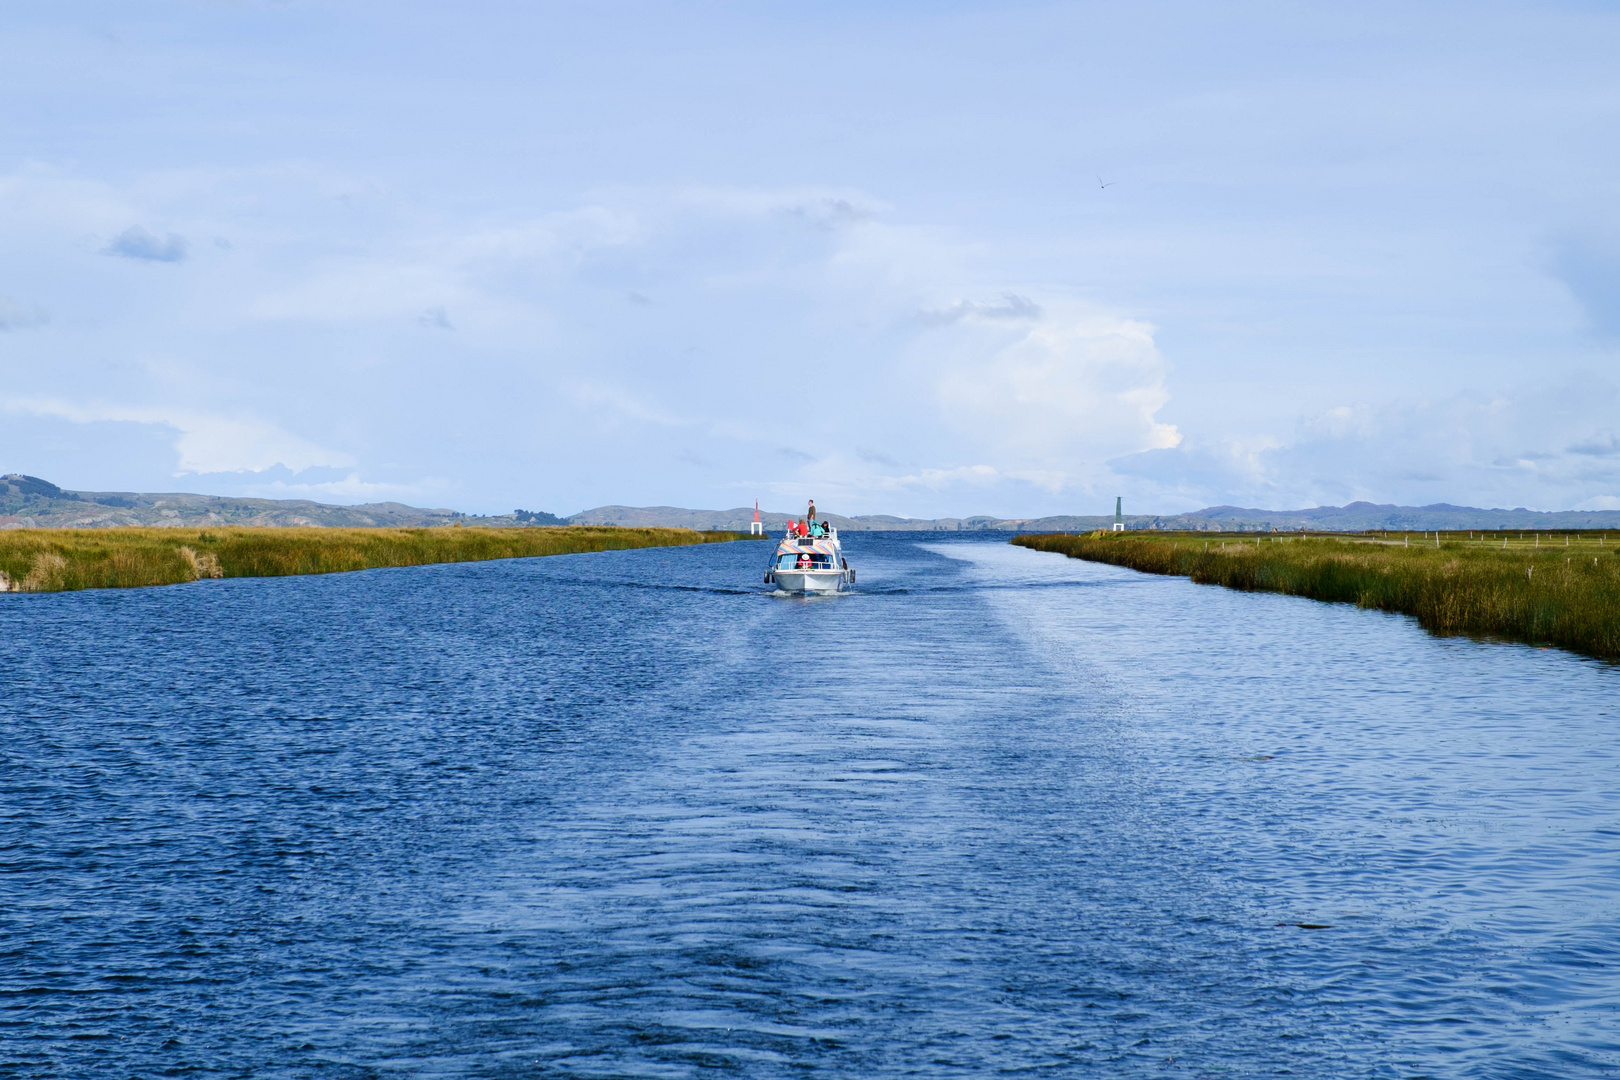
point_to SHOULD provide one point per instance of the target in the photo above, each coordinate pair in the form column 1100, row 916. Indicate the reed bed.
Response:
column 1558, row 589
column 50, row 560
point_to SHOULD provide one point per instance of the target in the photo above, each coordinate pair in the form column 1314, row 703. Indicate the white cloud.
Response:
column 1075, row 389
column 206, row 442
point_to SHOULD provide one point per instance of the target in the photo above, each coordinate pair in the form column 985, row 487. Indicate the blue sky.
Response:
column 561, row 255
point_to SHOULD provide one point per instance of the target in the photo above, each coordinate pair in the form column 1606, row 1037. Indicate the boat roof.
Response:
column 823, row 545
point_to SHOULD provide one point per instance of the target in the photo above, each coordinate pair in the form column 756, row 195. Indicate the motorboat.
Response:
column 810, row 564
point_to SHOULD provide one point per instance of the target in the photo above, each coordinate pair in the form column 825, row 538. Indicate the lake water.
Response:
column 623, row 814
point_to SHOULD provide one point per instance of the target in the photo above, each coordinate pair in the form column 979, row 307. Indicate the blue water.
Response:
column 623, row 814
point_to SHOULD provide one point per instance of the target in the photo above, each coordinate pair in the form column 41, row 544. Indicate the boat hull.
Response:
column 810, row 581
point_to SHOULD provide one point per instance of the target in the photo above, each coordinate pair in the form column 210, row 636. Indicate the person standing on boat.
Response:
column 811, row 516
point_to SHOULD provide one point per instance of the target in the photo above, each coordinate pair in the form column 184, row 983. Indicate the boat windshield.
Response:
column 789, row 560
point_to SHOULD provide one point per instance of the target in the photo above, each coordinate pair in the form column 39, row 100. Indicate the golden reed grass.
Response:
column 1559, row 589
column 46, row 560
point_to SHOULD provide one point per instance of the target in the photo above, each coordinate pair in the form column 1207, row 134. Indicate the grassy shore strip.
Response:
column 1561, row 589
column 49, row 560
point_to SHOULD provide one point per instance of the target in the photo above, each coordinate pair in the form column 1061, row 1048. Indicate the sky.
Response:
column 923, row 259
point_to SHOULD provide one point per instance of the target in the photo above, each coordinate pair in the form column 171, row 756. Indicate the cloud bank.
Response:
column 594, row 266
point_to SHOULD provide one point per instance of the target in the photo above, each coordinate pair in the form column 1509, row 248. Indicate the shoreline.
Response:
column 65, row 560
column 1560, row 589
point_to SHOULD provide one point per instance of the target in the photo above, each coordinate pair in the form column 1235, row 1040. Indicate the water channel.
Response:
column 624, row 814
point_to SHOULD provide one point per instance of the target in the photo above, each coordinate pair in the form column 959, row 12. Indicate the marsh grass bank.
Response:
column 51, row 560
column 1559, row 589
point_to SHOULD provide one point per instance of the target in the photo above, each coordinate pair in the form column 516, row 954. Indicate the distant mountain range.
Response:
column 29, row 502
column 1356, row 517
